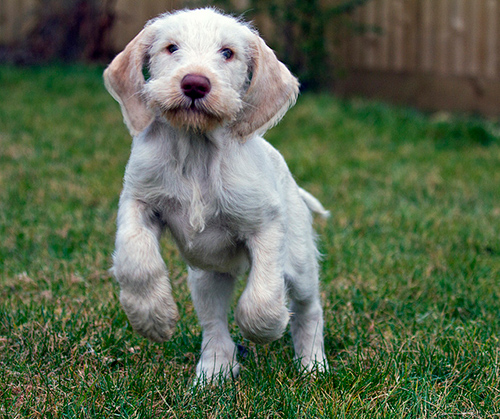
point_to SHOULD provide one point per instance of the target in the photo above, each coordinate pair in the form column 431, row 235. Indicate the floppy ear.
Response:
column 124, row 80
column 273, row 89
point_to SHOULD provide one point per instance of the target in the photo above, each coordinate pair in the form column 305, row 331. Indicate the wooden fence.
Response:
column 430, row 53
column 447, row 37
column 435, row 54
column 133, row 14
column 17, row 17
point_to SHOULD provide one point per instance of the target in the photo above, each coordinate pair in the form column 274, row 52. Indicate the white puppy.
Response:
column 200, row 168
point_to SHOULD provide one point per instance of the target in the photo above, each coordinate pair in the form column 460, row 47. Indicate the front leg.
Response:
column 261, row 312
column 211, row 293
column 146, row 294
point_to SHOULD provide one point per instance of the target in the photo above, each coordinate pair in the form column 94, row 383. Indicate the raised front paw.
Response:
column 153, row 316
column 261, row 321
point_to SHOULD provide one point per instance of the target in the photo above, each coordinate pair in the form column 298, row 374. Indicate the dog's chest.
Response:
column 215, row 245
column 196, row 211
column 207, row 200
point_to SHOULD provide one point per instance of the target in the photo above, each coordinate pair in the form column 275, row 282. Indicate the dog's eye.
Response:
column 227, row 53
column 172, row 48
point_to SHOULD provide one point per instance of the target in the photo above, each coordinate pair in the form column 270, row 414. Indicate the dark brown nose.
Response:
column 195, row 86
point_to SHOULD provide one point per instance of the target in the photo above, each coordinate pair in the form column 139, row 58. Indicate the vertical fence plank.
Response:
column 398, row 38
column 442, row 41
column 491, row 38
column 357, row 42
column 398, row 33
column 427, row 36
column 473, row 11
column 457, row 22
column 384, row 25
column 412, row 29
column 370, row 41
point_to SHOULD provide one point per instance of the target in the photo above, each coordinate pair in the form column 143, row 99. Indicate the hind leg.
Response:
column 307, row 318
column 307, row 335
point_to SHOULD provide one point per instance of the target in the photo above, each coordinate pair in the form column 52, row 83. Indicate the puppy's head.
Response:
column 206, row 70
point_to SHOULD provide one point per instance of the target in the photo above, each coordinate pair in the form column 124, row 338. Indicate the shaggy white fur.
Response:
column 200, row 169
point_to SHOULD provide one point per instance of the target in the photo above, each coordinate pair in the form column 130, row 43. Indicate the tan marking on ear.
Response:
column 124, row 81
column 273, row 89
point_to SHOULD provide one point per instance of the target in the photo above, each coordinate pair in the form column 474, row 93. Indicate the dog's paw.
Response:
column 316, row 363
column 216, row 367
column 261, row 322
column 216, row 373
column 153, row 317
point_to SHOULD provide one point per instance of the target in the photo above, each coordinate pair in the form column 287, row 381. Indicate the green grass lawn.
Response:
column 410, row 274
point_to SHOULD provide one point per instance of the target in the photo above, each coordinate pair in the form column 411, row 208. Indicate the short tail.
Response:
column 313, row 204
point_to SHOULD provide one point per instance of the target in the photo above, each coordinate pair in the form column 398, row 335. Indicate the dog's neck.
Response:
column 192, row 138
column 188, row 161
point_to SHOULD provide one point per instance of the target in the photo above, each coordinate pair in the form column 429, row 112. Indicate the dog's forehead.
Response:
column 201, row 28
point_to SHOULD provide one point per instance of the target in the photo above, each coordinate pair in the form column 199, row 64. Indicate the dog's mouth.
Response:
column 195, row 115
